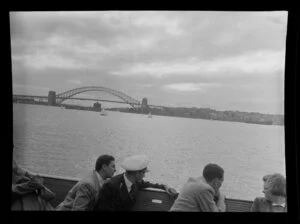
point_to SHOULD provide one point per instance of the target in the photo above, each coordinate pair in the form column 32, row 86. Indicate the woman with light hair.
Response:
column 275, row 195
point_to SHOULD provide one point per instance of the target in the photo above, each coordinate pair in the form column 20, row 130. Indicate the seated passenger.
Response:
column 28, row 191
column 275, row 195
column 84, row 194
column 203, row 193
column 120, row 192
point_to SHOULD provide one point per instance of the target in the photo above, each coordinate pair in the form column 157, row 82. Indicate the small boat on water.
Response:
column 149, row 199
column 103, row 112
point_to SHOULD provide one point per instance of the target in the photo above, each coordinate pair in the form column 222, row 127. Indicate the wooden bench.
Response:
column 148, row 199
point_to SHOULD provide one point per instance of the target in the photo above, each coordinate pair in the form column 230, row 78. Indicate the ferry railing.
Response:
column 149, row 199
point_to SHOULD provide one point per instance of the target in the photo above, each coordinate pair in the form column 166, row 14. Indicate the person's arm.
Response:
column 19, row 171
column 221, row 202
column 205, row 201
column 23, row 181
column 255, row 205
column 146, row 184
column 83, row 198
column 169, row 190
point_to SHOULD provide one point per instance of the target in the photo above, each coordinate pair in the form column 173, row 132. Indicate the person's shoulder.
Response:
column 87, row 180
column 260, row 200
column 85, row 183
column 205, row 192
column 204, row 188
column 115, row 181
column 261, row 204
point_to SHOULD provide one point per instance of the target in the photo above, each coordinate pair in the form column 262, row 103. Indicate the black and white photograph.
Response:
column 149, row 110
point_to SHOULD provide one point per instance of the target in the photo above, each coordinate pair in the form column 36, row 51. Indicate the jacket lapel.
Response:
column 123, row 189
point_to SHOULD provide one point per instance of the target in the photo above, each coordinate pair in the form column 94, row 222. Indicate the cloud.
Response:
column 110, row 38
column 75, row 81
column 29, row 89
column 139, row 52
column 253, row 62
column 156, row 19
column 146, row 85
column 188, row 87
column 260, row 61
column 277, row 17
column 48, row 60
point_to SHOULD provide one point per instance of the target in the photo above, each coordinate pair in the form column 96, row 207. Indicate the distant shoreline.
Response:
column 195, row 113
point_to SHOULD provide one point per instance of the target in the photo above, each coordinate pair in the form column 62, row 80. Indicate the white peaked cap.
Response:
column 135, row 162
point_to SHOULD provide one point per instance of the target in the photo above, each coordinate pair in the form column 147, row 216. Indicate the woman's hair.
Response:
column 277, row 184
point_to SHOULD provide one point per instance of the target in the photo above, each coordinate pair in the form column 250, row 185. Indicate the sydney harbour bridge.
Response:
column 54, row 99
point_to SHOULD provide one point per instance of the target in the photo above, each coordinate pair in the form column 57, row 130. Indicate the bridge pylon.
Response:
column 52, row 98
column 144, row 107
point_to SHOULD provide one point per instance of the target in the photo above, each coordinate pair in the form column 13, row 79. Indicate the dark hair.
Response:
column 103, row 160
column 212, row 171
column 266, row 177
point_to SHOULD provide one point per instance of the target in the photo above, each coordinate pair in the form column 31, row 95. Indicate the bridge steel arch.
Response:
column 68, row 94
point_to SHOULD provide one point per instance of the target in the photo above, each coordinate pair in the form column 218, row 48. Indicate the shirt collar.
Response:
column 275, row 204
column 128, row 183
column 100, row 179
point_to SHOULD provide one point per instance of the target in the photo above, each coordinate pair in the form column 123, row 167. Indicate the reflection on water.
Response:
column 63, row 142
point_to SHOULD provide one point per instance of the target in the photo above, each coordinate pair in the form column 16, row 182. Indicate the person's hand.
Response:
column 36, row 182
column 47, row 194
column 171, row 191
column 221, row 196
column 38, row 179
column 221, row 202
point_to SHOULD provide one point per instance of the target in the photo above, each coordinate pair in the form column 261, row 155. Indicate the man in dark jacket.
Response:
column 120, row 192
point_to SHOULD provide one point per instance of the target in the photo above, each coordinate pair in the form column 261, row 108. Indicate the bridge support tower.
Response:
column 145, row 107
column 52, row 98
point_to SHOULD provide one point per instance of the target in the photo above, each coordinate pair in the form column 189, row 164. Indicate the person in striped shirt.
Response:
column 202, row 194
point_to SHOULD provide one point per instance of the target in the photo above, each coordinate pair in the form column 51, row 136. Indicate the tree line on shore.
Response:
column 211, row 114
column 197, row 113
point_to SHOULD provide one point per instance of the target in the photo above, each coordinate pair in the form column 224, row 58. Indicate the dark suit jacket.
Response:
column 114, row 195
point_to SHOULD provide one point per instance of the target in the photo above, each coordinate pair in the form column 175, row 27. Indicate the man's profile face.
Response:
column 217, row 183
column 220, row 182
column 266, row 190
column 141, row 174
column 110, row 169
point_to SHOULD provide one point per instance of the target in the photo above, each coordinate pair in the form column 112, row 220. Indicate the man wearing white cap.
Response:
column 119, row 193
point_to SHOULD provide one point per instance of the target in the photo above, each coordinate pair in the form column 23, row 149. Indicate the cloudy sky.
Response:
column 219, row 60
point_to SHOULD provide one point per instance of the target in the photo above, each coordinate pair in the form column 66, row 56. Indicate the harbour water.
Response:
column 62, row 142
